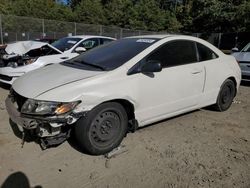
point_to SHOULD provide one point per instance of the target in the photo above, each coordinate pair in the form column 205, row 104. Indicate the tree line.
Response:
column 153, row 15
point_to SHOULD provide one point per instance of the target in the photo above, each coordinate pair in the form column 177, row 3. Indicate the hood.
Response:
column 57, row 58
column 23, row 47
column 37, row 82
column 242, row 56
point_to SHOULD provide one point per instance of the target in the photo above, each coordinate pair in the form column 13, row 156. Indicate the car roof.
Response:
column 89, row 36
column 153, row 36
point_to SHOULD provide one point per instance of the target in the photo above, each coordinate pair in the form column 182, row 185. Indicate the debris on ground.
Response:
column 117, row 151
column 236, row 101
column 107, row 163
column 2, row 106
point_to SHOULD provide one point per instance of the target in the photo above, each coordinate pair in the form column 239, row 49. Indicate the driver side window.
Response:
column 89, row 43
column 175, row 53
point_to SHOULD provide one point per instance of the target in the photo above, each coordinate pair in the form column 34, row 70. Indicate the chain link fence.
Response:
column 17, row 28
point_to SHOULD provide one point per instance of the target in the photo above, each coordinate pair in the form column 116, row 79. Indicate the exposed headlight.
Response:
column 30, row 61
column 37, row 107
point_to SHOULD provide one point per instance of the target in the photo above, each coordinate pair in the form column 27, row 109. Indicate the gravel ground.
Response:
column 199, row 149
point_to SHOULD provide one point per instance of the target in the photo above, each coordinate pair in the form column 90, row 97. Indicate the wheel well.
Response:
column 130, row 110
column 128, row 106
column 235, row 83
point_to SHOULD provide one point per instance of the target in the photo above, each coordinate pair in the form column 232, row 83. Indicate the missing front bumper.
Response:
column 56, row 140
column 48, row 131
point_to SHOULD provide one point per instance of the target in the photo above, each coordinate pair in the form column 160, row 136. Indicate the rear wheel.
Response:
column 226, row 95
column 102, row 129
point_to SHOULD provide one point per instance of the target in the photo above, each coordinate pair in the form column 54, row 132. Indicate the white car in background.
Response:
column 243, row 58
column 22, row 57
column 111, row 90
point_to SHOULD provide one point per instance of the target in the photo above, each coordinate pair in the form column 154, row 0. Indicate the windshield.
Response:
column 65, row 43
column 246, row 48
column 113, row 55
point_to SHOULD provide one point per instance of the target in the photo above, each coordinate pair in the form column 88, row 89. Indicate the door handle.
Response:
column 196, row 71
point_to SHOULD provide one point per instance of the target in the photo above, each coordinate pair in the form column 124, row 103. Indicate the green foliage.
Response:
column 152, row 15
column 149, row 15
column 89, row 11
column 120, row 13
column 46, row 9
column 220, row 15
column 5, row 7
column 243, row 16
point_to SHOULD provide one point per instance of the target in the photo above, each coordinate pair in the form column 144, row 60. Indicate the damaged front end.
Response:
column 49, row 124
column 24, row 53
column 15, row 60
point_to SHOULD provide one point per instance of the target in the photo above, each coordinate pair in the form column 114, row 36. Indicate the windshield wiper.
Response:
column 90, row 64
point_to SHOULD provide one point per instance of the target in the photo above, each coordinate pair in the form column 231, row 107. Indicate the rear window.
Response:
column 115, row 54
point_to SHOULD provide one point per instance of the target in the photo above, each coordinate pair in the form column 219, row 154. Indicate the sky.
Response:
column 62, row 1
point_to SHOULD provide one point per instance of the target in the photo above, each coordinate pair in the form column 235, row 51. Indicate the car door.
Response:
column 177, row 87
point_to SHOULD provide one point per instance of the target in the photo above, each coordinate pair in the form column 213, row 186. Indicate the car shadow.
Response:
column 73, row 143
column 17, row 180
column 245, row 83
column 167, row 119
column 5, row 86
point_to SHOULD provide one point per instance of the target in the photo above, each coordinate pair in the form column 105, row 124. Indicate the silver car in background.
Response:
column 243, row 57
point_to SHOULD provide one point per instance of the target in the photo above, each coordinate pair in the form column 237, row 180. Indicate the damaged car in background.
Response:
column 100, row 96
column 21, row 57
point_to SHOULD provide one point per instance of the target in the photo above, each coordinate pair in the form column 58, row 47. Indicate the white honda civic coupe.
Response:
column 24, row 56
column 106, row 92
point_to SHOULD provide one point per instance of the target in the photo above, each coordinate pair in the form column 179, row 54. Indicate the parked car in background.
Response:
column 2, row 46
column 22, row 57
column 108, row 91
column 243, row 58
column 2, row 49
column 46, row 39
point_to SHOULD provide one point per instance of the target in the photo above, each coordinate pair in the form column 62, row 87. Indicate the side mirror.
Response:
column 80, row 50
column 235, row 49
column 151, row 66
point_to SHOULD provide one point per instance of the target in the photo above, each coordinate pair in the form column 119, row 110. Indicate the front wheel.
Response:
column 226, row 96
column 102, row 129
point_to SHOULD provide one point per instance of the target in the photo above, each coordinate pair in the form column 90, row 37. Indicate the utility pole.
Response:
column 43, row 28
column 175, row 6
column 1, row 29
column 75, row 28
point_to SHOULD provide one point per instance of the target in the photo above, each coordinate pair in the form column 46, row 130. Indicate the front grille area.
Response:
column 245, row 77
column 6, row 78
column 19, row 99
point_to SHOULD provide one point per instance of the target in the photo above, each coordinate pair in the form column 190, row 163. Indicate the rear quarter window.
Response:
column 205, row 53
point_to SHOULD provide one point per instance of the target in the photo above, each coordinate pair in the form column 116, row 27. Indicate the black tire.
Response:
column 226, row 96
column 102, row 129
